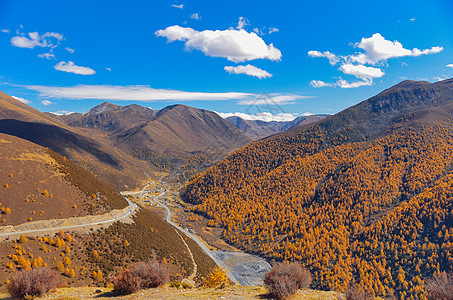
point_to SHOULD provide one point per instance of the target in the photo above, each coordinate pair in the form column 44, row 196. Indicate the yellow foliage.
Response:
column 217, row 278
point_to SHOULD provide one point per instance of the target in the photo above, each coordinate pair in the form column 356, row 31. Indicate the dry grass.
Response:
column 169, row 293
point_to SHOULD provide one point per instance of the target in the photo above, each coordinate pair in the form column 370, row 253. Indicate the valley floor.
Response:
column 169, row 293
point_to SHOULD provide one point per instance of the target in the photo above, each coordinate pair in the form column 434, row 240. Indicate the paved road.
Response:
column 195, row 239
column 132, row 207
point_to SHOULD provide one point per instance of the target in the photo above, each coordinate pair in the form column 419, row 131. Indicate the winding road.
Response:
column 132, row 208
column 194, row 238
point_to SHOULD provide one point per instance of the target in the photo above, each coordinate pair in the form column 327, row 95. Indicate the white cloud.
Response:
column 378, row 49
column 264, row 116
column 47, row 55
column 242, row 23
column 34, row 39
column 333, row 59
column 320, row 83
column 349, row 85
column 180, row 6
column 273, row 29
column 248, row 70
column 46, row 102
column 108, row 69
column 70, row 50
column 272, row 99
column 146, row 93
column 234, row 45
column 344, row 84
column 195, row 16
column 134, row 92
column 412, row 19
column 70, row 67
column 22, row 100
column 449, row 66
column 62, row 112
column 5, row 30
column 361, row 71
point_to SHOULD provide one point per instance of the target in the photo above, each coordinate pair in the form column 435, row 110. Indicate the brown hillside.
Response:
column 177, row 136
column 93, row 149
column 33, row 188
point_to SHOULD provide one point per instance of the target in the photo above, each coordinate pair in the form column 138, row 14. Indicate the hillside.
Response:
column 92, row 149
column 256, row 129
column 169, row 138
column 40, row 185
column 363, row 195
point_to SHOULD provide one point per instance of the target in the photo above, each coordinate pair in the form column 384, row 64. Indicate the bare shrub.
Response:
column 440, row 287
column 354, row 292
column 33, row 282
column 286, row 278
column 141, row 276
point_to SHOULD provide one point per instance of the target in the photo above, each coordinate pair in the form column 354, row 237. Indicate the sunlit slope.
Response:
column 363, row 195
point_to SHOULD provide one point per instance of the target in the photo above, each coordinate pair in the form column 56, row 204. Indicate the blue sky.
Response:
column 231, row 56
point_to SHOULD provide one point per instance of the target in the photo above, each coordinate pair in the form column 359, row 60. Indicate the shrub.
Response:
column 217, row 278
column 141, row 276
column 354, row 292
column 23, row 239
column 440, row 287
column 286, row 278
column 34, row 282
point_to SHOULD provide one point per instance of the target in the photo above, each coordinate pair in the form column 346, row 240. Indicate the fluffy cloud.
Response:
column 70, row 67
column 46, row 102
column 376, row 50
column 180, row 6
column 349, row 85
column 22, row 100
column 236, row 45
column 449, row 66
column 248, row 70
column 34, row 39
column 47, row 55
column 5, row 30
column 361, row 71
column 135, row 92
column 195, row 16
column 70, row 50
column 264, row 116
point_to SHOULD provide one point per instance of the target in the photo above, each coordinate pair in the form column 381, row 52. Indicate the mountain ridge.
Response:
column 359, row 196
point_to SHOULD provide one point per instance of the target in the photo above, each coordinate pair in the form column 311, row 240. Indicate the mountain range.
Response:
column 361, row 196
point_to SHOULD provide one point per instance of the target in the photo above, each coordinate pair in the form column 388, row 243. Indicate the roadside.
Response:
column 77, row 224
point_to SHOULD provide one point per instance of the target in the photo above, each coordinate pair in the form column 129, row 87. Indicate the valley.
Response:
column 242, row 268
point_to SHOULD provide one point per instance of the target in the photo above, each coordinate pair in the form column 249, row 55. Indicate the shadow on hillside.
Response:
column 110, row 294
column 55, row 138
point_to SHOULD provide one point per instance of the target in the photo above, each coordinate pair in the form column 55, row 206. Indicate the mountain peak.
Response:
column 103, row 107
